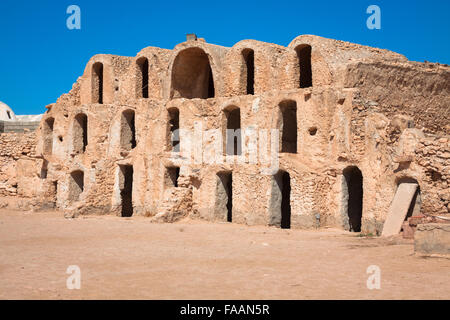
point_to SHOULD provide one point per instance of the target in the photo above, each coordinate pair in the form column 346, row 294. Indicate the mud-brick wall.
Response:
column 419, row 90
column 434, row 156
column 18, row 164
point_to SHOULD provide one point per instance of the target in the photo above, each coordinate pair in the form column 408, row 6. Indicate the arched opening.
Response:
column 76, row 185
column 224, row 196
column 288, row 126
column 192, row 75
column 80, row 133
column 173, row 129
column 353, row 197
column 128, row 130
column 304, row 60
column 285, row 200
column 280, row 207
column 142, row 77
column 232, row 131
column 48, row 135
column 171, row 177
column 126, row 190
column 97, row 83
column 249, row 59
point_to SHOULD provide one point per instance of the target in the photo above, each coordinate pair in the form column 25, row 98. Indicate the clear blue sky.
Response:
column 40, row 58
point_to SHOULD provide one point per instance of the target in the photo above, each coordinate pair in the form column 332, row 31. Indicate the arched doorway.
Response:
column 192, row 75
column 353, row 197
column 280, row 207
column 224, row 196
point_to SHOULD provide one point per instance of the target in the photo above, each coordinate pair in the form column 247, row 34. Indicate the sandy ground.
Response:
column 132, row 258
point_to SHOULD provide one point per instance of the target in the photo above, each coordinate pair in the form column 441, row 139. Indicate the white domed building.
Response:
column 10, row 122
column 6, row 113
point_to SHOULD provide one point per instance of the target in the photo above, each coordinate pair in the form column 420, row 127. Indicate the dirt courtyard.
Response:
column 132, row 258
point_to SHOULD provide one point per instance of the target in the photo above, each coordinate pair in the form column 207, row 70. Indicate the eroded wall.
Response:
column 20, row 170
column 343, row 120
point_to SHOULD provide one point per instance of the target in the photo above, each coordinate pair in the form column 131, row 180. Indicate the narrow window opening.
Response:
column 233, row 141
column 128, row 130
column 80, row 133
column 288, row 110
column 211, row 89
column 143, row 77
column 249, row 58
column 173, row 135
column 48, row 135
column 304, row 58
column 97, row 83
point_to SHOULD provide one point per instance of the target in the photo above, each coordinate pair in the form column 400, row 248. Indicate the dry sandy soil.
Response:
column 132, row 258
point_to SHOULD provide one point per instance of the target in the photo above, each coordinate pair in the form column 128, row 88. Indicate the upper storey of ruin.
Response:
column 197, row 69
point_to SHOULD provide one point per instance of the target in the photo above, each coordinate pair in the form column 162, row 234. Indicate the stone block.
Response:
column 432, row 238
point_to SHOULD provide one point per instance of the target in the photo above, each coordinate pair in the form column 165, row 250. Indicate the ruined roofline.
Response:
column 306, row 38
column 275, row 67
column 331, row 58
column 197, row 69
